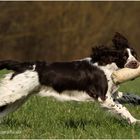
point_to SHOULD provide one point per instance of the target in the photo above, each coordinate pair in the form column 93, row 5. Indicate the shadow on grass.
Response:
column 81, row 123
column 15, row 123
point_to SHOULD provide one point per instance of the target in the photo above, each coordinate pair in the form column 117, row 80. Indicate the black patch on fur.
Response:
column 76, row 75
column 16, row 66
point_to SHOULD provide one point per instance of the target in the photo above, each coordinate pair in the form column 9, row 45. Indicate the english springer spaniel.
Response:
column 87, row 79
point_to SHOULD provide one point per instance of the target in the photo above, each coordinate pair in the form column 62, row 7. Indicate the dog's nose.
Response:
column 133, row 64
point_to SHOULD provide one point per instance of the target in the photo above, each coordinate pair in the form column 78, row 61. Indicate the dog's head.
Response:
column 120, row 53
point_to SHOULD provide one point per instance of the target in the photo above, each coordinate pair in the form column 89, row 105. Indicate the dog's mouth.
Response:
column 132, row 64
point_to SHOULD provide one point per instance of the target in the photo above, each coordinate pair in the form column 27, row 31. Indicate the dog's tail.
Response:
column 9, row 65
column 15, row 65
column 129, row 98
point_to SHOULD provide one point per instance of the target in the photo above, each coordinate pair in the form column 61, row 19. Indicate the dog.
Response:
column 88, row 79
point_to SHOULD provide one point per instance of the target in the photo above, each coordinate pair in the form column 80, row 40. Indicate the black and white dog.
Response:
column 87, row 79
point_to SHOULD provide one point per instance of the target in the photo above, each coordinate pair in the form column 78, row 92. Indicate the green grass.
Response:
column 48, row 118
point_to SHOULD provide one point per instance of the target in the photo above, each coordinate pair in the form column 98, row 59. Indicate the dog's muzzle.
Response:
column 132, row 64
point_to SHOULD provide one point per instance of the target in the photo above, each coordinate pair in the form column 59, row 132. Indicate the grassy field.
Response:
column 48, row 118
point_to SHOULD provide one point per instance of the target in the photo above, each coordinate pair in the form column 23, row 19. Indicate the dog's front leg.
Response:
column 117, row 108
column 126, row 98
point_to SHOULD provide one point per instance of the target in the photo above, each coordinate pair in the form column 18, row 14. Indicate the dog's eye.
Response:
column 30, row 67
column 133, row 51
column 134, row 54
column 125, row 57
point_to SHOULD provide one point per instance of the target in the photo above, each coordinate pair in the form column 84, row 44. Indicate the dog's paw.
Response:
column 137, row 122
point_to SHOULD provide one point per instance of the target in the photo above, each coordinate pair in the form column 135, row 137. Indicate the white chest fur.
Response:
column 108, row 69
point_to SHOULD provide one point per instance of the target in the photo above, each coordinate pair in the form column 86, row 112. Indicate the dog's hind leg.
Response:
column 6, row 109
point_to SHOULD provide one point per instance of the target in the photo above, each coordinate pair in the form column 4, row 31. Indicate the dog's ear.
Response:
column 98, row 52
column 95, row 55
column 94, row 52
column 119, row 41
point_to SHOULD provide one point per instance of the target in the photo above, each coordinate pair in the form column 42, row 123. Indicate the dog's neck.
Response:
column 112, row 66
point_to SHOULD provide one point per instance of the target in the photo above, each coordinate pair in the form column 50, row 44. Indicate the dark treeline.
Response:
column 63, row 30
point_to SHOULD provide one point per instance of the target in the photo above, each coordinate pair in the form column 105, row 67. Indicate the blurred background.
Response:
column 58, row 31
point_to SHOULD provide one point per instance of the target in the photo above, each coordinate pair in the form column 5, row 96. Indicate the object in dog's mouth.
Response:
column 125, row 74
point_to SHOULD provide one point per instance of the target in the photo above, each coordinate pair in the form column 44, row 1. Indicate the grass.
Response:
column 48, row 118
